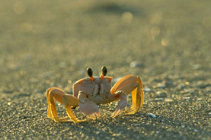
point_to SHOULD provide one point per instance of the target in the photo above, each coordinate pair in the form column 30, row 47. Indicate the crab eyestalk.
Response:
column 104, row 72
column 90, row 73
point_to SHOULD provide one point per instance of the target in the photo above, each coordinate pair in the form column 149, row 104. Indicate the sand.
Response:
column 50, row 44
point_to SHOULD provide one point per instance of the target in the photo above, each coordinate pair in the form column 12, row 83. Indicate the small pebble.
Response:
column 147, row 89
column 158, row 99
column 151, row 115
column 62, row 64
column 27, row 57
column 160, row 85
column 98, row 132
column 196, row 66
column 160, row 94
column 181, row 86
column 186, row 98
column 168, row 100
column 157, row 132
column 136, row 124
column 168, row 83
column 199, row 99
column 136, row 64
column 195, row 130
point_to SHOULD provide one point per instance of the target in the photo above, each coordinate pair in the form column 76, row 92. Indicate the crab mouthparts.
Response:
column 99, row 87
column 98, row 90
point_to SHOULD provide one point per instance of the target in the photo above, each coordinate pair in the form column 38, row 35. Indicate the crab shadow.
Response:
column 115, row 8
column 135, row 126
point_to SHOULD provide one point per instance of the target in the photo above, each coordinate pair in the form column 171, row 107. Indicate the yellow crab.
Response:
column 91, row 91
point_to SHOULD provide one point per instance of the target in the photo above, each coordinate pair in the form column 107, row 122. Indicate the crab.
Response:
column 89, row 92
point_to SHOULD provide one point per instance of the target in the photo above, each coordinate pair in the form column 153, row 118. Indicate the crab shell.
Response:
column 97, row 90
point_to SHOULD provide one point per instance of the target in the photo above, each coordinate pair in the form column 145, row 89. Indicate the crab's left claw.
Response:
column 121, row 104
column 123, row 88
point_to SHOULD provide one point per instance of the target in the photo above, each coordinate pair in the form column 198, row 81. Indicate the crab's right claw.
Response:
column 89, row 108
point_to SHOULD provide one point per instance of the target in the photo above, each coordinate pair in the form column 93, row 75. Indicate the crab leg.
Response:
column 127, row 85
column 51, row 94
column 137, row 98
column 70, row 101
column 67, row 100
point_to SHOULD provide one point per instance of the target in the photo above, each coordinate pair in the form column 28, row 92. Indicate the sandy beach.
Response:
column 51, row 43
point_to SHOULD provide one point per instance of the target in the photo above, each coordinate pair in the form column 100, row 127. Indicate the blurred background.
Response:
column 51, row 43
column 48, row 43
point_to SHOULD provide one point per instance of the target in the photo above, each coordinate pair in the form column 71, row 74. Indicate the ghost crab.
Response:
column 92, row 91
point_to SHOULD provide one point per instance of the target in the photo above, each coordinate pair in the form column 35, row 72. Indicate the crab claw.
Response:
column 121, row 104
column 94, row 116
column 129, row 84
column 89, row 108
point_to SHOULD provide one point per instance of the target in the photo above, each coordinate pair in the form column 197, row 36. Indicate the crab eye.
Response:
column 104, row 71
column 89, row 72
